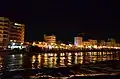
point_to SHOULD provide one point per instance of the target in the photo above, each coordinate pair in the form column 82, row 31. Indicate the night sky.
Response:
column 97, row 19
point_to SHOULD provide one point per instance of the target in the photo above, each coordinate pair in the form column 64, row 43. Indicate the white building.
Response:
column 78, row 41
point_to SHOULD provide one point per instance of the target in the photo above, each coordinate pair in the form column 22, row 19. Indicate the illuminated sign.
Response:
column 17, row 24
column 13, row 46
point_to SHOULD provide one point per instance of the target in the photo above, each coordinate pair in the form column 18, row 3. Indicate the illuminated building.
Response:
column 86, row 43
column 108, row 44
column 10, row 32
column 78, row 41
column 93, row 42
column 112, row 41
column 17, row 32
column 40, row 44
column 50, row 39
column 102, row 43
column 4, row 31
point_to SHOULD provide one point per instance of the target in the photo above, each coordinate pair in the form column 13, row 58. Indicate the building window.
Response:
column 5, row 32
column 5, row 36
column 5, row 28
column 4, row 40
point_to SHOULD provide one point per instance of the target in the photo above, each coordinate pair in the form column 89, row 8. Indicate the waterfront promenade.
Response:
column 45, row 50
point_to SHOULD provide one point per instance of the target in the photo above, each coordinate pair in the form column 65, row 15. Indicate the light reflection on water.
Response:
column 1, row 64
column 51, row 60
column 67, row 59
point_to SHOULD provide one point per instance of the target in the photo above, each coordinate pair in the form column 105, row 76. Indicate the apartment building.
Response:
column 10, row 31
column 50, row 39
column 17, row 32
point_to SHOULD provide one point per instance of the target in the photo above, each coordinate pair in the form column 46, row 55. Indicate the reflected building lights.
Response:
column 62, row 54
column 39, row 56
column 69, row 54
column 50, row 62
column 80, row 59
column 76, row 54
column 39, row 60
column 69, row 60
column 1, row 64
column 55, row 61
column 14, row 62
column 65, row 59
column 62, row 61
column 33, row 61
column 45, row 55
column 76, row 60
column 55, row 54
column 33, row 58
column 49, row 54
column 81, row 53
column 45, row 60
column 50, row 59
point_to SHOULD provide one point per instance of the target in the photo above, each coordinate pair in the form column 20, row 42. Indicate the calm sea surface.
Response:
column 53, row 60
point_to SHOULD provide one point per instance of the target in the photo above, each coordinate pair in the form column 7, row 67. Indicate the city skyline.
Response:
column 59, row 39
column 81, row 34
column 10, row 31
column 65, row 19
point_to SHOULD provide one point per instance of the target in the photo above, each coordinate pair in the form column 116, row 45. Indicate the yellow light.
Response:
column 62, row 44
column 33, row 59
column 75, row 53
column 80, row 46
column 56, row 47
column 89, row 46
column 69, row 53
column 17, row 24
column 108, row 47
column 51, row 54
column 70, row 45
column 62, row 54
column 55, row 54
column 39, row 56
column 45, row 55
column 50, row 47
column 61, row 47
column 33, row 43
column 95, row 46
column 116, row 47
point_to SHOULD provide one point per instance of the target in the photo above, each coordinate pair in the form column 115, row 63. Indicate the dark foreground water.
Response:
column 54, row 64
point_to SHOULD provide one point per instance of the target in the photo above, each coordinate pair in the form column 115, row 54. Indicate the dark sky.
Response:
column 98, row 19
